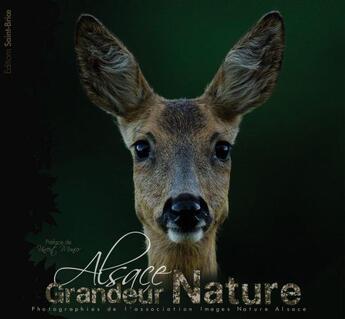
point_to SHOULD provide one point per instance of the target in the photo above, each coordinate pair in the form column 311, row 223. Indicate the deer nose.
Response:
column 186, row 212
column 185, row 205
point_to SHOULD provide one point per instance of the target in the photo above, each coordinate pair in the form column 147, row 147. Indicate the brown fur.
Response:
column 183, row 132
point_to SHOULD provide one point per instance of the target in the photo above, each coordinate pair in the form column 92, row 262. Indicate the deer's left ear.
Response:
column 249, row 72
column 109, row 72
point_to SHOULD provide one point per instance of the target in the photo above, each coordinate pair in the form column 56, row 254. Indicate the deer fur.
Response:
column 181, row 131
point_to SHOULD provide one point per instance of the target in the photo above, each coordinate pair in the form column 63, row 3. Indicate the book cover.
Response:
column 177, row 159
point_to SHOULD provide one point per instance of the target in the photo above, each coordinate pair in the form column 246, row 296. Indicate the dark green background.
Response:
column 286, row 197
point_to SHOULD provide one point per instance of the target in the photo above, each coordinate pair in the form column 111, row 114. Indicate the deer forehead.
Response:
column 180, row 121
column 183, row 117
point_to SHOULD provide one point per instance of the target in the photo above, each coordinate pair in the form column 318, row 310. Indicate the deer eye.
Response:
column 222, row 150
column 142, row 149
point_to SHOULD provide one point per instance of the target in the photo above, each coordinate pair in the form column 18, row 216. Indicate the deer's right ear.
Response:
column 108, row 71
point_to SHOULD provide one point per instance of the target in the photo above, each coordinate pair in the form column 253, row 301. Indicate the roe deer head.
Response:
column 181, row 148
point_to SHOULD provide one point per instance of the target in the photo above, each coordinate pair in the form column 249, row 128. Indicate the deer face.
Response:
column 182, row 164
column 181, row 148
